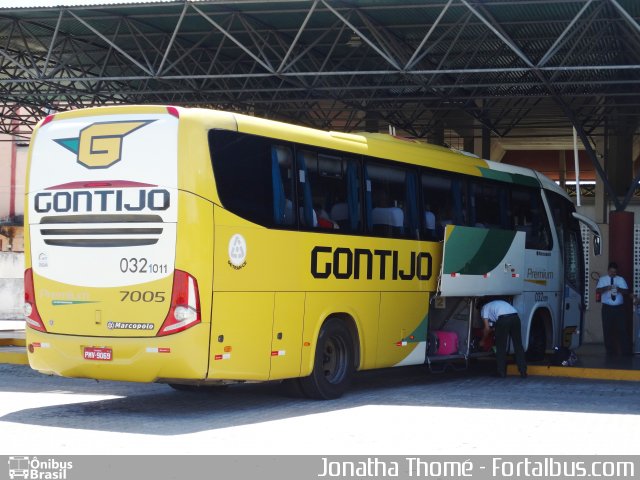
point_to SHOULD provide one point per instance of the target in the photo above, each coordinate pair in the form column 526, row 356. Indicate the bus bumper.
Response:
column 183, row 355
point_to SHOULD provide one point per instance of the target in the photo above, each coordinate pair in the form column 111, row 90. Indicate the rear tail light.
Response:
column 31, row 315
column 185, row 305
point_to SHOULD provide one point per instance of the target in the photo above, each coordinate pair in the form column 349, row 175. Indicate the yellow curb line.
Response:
column 578, row 372
column 13, row 342
column 18, row 357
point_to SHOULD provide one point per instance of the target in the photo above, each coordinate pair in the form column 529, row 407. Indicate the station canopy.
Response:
column 512, row 67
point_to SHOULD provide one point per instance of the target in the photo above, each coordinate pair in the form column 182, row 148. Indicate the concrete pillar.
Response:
column 372, row 122
column 14, row 164
column 477, row 144
column 621, row 252
column 486, row 143
column 619, row 165
column 601, row 203
column 469, row 131
column 593, row 319
column 436, row 135
column 562, row 168
column 469, row 143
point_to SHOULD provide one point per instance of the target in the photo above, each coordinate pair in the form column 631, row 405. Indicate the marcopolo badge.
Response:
column 237, row 251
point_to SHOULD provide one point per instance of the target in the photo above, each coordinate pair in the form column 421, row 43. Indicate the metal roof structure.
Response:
column 512, row 66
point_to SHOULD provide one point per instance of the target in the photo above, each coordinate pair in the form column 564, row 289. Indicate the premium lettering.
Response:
column 539, row 274
column 345, row 263
column 129, row 200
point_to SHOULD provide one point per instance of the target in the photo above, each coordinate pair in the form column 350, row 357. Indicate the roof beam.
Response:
column 297, row 37
column 240, row 45
column 561, row 39
column 625, row 15
column 109, row 42
column 366, row 39
column 412, row 61
column 172, row 39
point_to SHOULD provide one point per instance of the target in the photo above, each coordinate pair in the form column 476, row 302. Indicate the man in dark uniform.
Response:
column 612, row 289
column 504, row 318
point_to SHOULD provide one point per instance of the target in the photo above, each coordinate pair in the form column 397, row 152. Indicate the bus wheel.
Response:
column 333, row 364
column 537, row 342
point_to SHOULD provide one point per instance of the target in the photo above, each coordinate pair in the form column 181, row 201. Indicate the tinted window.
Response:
column 569, row 236
column 254, row 177
column 528, row 215
column 391, row 201
column 329, row 189
column 444, row 201
column 488, row 205
column 560, row 212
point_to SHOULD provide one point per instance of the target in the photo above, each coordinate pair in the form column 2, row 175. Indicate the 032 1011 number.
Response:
column 141, row 296
column 141, row 265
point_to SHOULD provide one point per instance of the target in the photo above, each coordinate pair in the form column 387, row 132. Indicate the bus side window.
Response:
column 243, row 168
column 489, row 205
column 329, row 191
column 307, row 167
column 411, row 217
column 281, row 178
column 444, row 203
column 388, row 196
column 528, row 215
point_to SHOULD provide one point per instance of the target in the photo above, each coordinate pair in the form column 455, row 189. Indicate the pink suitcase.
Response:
column 446, row 343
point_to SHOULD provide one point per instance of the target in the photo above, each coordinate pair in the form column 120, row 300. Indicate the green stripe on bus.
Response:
column 475, row 251
column 56, row 303
column 420, row 332
column 516, row 178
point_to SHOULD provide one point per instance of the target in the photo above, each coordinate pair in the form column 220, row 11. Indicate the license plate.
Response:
column 98, row 353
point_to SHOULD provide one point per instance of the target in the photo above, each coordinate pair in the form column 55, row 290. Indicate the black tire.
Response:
column 537, row 342
column 291, row 388
column 333, row 365
column 197, row 388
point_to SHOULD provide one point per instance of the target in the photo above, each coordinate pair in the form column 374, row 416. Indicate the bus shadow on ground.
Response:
column 159, row 410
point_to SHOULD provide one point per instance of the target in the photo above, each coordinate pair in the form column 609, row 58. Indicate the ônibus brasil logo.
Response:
column 99, row 145
column 38, row 469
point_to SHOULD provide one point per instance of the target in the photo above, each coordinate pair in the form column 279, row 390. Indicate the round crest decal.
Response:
column 237, row 251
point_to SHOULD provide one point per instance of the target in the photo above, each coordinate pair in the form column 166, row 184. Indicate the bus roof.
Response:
column 390, row 148
column 377, row 145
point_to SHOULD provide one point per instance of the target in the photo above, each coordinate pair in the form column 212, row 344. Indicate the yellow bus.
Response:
column 198, row 247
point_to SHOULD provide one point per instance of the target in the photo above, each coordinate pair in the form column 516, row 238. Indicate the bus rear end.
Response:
column 111, row 290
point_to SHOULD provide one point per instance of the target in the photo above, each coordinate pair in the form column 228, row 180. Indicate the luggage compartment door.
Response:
column 481, row 261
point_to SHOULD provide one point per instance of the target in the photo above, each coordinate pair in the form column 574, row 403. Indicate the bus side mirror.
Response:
column 597, row 245
column 595, row 230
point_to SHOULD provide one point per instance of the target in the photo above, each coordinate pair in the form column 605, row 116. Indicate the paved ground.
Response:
column 401, row 411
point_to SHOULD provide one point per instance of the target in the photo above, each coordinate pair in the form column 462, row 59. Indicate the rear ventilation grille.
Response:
column 100, row 231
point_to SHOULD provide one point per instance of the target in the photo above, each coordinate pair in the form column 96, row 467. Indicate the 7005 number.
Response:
column 139, row 296
column 141, row 265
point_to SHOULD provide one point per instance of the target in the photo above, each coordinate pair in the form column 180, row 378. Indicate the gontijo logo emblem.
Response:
column 99, row 145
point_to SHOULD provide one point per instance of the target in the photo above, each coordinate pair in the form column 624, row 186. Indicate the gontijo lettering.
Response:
column 129, row 200
column 344, row 263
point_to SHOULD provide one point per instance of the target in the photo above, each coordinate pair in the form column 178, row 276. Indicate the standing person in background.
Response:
column 612, row 289
column 504, row 318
